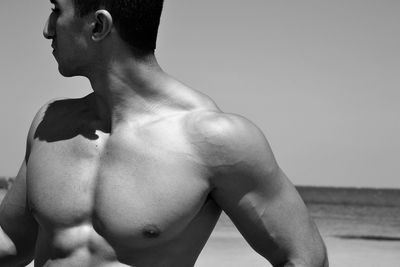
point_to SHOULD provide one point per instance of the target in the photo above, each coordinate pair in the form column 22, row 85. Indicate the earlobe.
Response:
column 102, row 25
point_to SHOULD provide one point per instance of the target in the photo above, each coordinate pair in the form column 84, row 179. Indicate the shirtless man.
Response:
column 137, row 172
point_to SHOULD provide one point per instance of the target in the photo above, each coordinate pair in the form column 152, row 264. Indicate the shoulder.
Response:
column 52, row 111
column 227, row 141
column 221, row 127
column 38, row 118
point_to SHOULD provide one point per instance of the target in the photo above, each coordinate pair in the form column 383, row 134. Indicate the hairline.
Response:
column 138, row 52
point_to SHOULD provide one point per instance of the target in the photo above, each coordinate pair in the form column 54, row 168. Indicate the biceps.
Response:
column 15, row 200
column 15, row 218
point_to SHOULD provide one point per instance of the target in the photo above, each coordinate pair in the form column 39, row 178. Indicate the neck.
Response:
column 128, row 86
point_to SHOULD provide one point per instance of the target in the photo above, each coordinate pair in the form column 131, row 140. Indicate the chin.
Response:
column 67, row 72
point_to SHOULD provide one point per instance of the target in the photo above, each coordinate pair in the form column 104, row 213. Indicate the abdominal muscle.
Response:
column 74, row 246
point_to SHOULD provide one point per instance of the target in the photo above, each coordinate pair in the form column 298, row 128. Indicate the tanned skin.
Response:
column 138, row 172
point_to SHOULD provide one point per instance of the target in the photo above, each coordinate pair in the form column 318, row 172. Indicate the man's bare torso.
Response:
column 137, row 196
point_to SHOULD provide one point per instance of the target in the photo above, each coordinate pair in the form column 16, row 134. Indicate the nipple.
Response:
column 151, row 231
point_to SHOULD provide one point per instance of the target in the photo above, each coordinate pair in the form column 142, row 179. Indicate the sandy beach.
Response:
column 234, row 252
column 226, row 247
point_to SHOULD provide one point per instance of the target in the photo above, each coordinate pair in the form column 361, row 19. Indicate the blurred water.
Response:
column 349, row 212
column 379, row 222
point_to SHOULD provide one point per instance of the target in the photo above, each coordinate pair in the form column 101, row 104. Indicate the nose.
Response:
column 48, row 30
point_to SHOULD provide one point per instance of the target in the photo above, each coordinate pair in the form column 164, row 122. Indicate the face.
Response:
column 69, row 36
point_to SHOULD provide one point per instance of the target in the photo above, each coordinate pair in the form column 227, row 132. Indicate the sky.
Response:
column 321, row 79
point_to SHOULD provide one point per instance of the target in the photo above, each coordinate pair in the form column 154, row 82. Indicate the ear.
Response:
column 102, row 25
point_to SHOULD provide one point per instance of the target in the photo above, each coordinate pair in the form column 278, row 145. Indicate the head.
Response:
column 136, row 21
column 78, row 28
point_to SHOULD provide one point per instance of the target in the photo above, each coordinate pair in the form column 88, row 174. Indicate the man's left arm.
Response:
column 258, row 197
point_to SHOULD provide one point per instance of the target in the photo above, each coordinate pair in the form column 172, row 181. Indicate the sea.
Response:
column 350, row 213
column 355, row 213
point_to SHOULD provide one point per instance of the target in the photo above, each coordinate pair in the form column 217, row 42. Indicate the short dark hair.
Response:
column 136, row 21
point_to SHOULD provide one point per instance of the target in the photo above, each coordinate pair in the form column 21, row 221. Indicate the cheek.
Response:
column 79, row 39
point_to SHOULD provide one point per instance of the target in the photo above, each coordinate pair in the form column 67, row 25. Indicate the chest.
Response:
column 126, row 191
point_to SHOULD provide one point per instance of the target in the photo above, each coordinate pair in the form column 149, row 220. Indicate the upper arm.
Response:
column 18, row 228
column 251, row 188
